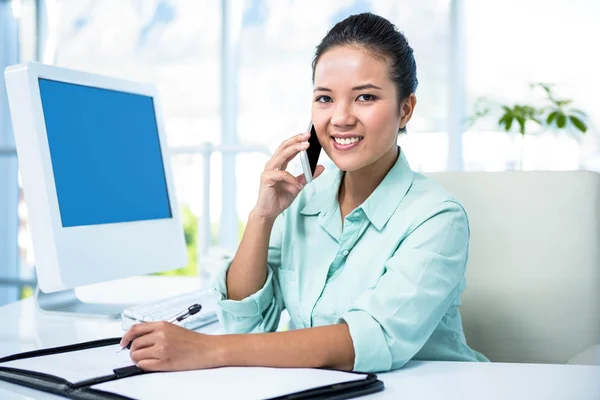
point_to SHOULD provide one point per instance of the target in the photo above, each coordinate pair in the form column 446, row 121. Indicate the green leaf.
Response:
column 521, row 122
column 561, row 103
column 528, row 110
column 545, row 86
column 551, row 117
column 579, row 124
column 561, row 121
column 509, row 122
column 520, row 111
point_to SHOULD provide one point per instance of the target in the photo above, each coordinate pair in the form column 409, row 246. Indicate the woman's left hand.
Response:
column 162, row 346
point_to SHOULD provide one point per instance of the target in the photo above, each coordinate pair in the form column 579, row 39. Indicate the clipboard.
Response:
column 353, row 384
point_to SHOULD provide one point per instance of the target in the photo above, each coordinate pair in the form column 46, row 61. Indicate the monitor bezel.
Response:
column 93, row 253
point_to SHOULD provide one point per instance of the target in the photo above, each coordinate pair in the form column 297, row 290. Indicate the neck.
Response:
column 358, row 185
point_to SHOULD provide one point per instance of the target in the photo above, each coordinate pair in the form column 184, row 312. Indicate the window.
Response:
column 10, row 12
column 511, row 44
column 175, row 45
column 277, row 44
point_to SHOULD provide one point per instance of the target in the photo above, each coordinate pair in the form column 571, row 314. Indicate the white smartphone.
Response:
column 310, row 156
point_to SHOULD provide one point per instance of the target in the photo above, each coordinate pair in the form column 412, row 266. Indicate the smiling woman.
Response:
column 344, row 112
column 368, row 259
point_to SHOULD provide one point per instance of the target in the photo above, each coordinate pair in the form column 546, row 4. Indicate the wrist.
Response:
column 221, row 354
column 259, row 218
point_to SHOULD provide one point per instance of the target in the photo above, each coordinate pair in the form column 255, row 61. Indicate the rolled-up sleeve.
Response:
column 391, row 322
column 261, row 311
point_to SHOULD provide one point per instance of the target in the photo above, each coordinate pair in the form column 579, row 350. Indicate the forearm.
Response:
column 248, row 270
column 321, row 347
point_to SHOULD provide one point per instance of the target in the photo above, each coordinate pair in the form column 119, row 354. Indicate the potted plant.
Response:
column 555, row 115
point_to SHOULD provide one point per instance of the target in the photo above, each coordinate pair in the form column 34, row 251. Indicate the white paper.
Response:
column 77, row 366
column 231, row 383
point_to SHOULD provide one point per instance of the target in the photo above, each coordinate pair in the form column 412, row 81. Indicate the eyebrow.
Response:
column 361, row 87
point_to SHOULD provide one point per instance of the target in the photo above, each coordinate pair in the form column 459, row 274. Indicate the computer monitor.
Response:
column 96, row 176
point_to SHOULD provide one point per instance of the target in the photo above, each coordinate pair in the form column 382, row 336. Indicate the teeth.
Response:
column 346, row 141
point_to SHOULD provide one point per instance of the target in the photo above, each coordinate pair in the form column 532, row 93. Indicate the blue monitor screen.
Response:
column 105, row 153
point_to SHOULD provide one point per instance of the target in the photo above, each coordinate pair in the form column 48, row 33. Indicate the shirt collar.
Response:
column 378, row 207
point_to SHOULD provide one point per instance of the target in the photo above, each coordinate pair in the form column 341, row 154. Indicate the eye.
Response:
column 323, row 99
column 366, row 97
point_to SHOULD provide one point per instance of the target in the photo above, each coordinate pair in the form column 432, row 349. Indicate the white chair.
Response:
column 533, row 276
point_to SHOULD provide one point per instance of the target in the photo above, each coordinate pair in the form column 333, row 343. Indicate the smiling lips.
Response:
column 346, row 143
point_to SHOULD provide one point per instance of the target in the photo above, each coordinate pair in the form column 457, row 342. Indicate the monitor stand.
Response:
column 66, row 302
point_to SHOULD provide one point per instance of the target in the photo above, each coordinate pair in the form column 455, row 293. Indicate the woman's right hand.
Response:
column 279, row 188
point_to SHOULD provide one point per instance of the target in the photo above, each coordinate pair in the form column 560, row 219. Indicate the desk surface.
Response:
column 24, row 328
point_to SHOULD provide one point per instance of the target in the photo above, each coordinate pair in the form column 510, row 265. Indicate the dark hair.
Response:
column 382, row 39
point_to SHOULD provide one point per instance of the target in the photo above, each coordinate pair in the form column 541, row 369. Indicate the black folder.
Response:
column 82, row 390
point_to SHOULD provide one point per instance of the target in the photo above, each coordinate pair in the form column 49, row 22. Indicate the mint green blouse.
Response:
column 394, row 273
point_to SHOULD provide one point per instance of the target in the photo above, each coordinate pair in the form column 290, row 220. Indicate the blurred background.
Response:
column 503, row 85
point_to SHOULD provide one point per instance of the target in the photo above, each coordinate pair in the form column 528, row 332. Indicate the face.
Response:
column 355, row 108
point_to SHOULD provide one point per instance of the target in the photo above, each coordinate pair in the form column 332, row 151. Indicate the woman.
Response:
column 369, row 259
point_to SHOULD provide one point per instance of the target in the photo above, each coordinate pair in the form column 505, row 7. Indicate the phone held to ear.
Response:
column 310, row 156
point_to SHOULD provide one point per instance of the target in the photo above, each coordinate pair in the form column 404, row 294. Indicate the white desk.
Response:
column 23, row 328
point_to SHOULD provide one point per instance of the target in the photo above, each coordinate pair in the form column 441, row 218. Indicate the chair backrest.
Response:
column 533, row 276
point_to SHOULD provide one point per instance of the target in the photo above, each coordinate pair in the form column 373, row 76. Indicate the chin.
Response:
column 349, row 163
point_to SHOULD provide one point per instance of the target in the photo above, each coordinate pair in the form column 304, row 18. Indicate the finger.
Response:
column 151, row 365
column 273, row 177
column 301, row 137
column 136, row 331
column 144, row 354
column 293, row 189
column 143, row 342
column 305, row 145
column 302, row 178
column 281, row 158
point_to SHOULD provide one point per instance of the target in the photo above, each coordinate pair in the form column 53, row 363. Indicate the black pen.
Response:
column 191, row 310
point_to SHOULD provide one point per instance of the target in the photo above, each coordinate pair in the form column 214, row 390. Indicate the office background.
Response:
column 234, row 78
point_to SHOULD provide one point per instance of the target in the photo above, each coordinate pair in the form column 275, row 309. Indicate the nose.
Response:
column 342, row 115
